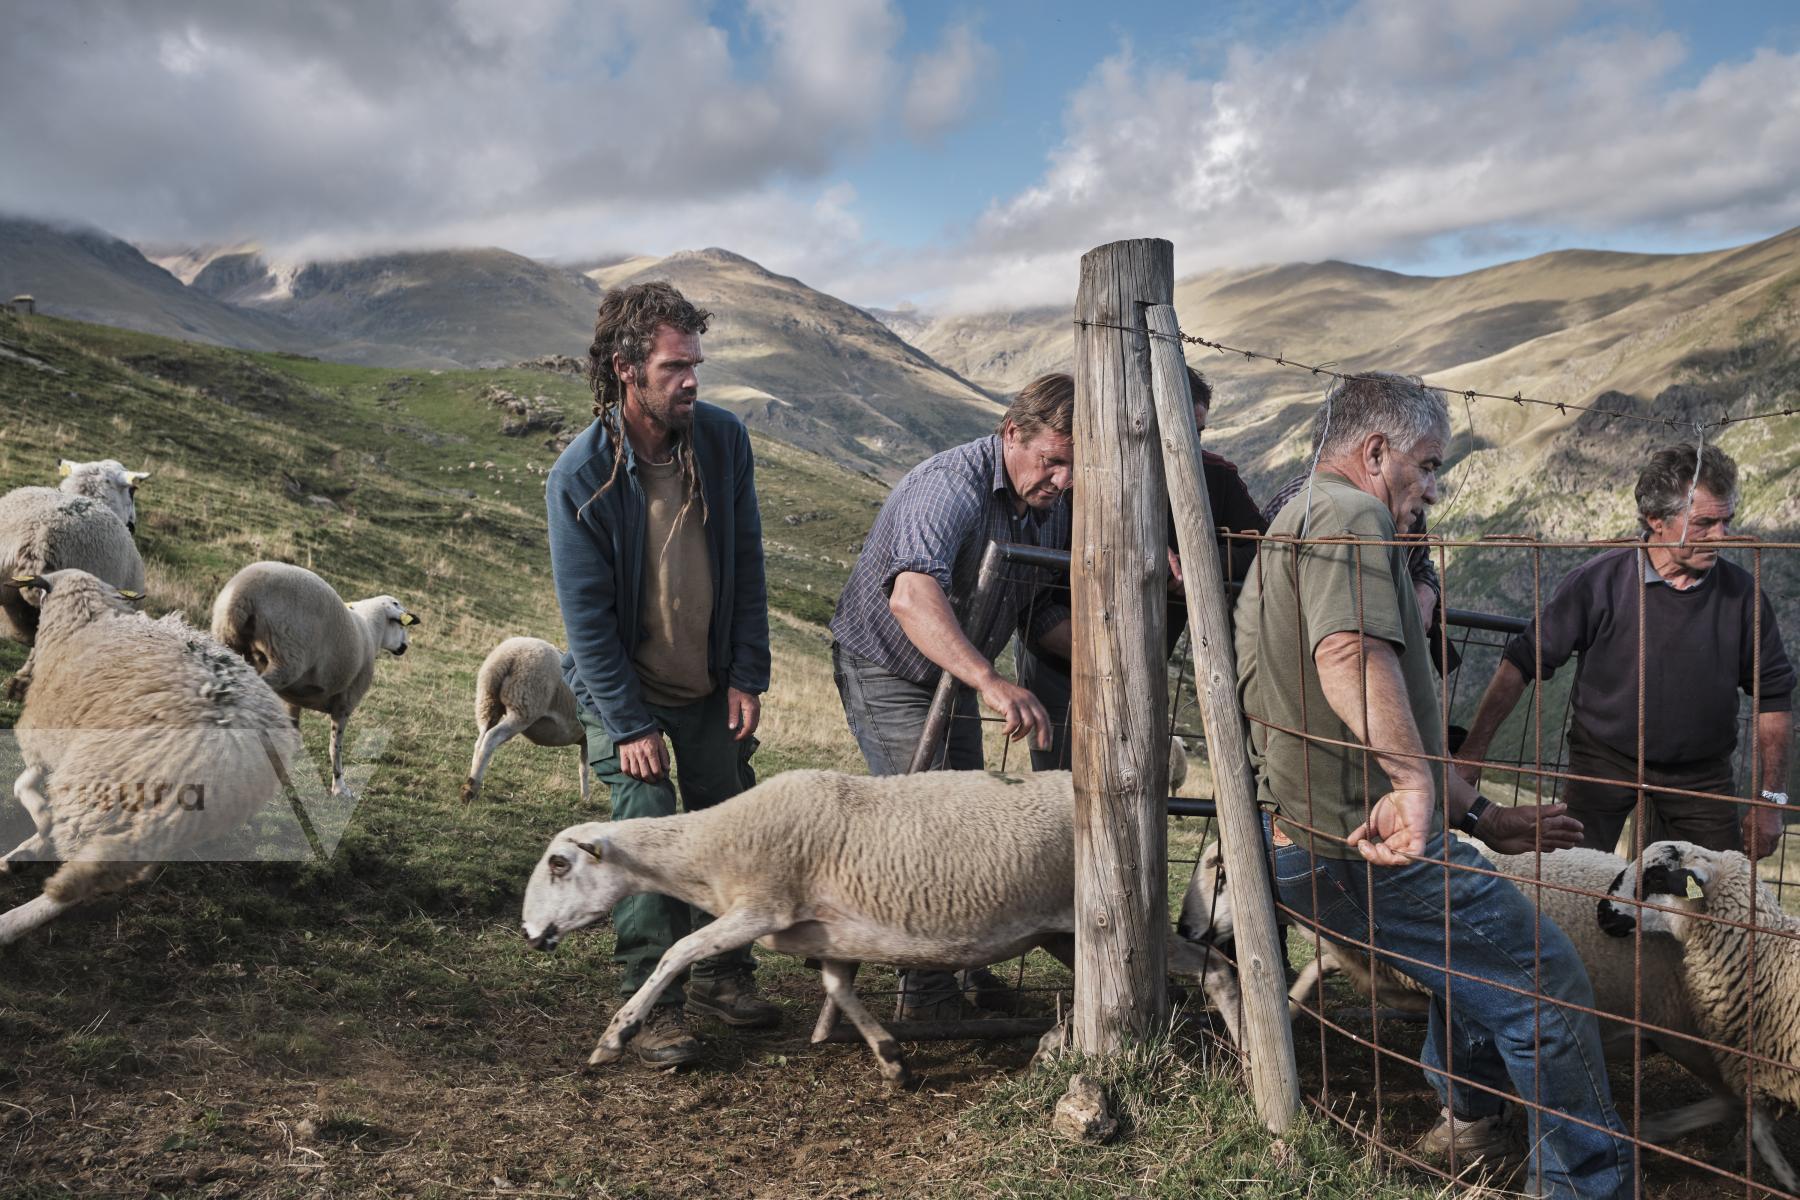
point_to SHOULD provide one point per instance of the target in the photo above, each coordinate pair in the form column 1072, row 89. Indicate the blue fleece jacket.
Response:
column 597, row 560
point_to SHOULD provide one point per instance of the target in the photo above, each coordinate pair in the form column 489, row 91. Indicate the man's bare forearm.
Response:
column 1774, row 737
column 929, row 623
column 1344, row 662
column 1497, row 703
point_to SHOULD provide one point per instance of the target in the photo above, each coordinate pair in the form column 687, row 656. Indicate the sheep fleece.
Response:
column 123, row 704
column 934, row 861
column 44, row 530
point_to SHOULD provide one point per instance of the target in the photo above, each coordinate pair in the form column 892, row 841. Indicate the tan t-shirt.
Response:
column 1293, row 600
column 677, row 598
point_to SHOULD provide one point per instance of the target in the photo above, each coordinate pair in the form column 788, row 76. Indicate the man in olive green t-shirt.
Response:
column 1330, row 643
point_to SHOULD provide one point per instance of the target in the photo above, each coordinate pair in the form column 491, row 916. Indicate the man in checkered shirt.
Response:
column 900, row 621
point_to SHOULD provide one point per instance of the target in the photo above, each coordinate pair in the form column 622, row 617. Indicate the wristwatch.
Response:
column 1472, row 818
column 1774, row 797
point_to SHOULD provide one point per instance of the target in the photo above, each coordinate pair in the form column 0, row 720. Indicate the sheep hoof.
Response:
column 470, row 791
column 604, row 1054
column 15, row 688
column 340, row 788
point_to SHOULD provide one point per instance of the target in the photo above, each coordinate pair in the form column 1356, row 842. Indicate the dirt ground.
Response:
column 767, row 1115
column 455, row 1106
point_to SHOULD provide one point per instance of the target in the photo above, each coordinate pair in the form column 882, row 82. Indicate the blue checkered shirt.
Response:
column 938, row 521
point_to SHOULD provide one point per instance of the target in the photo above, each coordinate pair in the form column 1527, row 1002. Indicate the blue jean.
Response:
column 1502, row 1039
column 1052, row 686
column 887, row 717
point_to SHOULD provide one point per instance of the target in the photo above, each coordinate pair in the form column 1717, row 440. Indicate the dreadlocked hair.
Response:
column 626, row 326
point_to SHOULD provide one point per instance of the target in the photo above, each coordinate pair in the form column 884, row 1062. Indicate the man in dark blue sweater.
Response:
column 656, row 549
column 1700, row 647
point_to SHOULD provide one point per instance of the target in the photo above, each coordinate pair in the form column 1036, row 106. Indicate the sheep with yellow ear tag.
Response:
column 311, row 647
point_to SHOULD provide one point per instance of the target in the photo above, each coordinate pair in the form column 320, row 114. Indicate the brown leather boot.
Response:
column 664, row 1041
column 733, row 1000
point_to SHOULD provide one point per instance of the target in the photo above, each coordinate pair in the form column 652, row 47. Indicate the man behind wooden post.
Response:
column 1330, row 641
column 900, row 620
column 656, row 548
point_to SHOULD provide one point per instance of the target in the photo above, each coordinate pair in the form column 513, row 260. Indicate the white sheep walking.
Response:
column 521, row 691
column 948, row 869
column 311, row 648
column 1742, row 977
column 142, row 740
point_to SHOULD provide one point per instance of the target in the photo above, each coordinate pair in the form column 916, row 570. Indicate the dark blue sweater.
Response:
column 1699, row 652
column 597, row 559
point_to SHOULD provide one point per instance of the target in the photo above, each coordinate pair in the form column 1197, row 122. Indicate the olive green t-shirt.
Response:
column 677, row 592
column 1294, row 599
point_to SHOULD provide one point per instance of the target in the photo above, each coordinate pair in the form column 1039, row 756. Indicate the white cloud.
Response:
column 339, row 123
column 945, row 83
column 1401, row 124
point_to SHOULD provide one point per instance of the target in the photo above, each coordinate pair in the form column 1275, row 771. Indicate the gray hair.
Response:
column 1664, row 484
column 1399, row 407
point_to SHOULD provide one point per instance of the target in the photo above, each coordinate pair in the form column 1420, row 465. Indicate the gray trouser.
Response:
column 1052, row 686
column 887, row 716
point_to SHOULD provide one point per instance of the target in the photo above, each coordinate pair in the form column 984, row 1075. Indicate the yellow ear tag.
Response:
column 65, row 468
column 131, row 595
column 1694, row 890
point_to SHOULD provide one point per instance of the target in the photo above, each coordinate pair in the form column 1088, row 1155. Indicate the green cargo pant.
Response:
column 710, row 766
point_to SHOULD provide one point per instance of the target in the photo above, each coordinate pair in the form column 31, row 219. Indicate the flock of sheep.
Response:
column 142, row 740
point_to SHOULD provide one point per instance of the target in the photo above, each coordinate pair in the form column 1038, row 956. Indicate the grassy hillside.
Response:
column 90, row 276
column 373, row 1022
column 815, row 371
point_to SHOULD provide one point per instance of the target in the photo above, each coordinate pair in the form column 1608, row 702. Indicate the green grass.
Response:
column 1187, row 1127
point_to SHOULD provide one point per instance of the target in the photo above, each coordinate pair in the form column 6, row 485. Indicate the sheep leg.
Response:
column 41, row 910
column 27, row 788
column 338, row 786
column 293, row 713
column 491, row 739
column 828, row 1012
column 1218, row 981
column 838, row 977
column 1310, row 982
column 738, row 927
column 1762, row 1136
column 20, row 683
column 1667, row 1126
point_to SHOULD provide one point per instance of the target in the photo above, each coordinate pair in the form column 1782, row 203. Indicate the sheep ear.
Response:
column 136, row 476
column 407, row 618
column 349, row 605
column 65, row 468
column 593, row 848
column 29, row 581
column 131, row 595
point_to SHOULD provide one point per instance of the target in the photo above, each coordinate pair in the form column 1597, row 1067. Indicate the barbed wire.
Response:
column 1517, row 398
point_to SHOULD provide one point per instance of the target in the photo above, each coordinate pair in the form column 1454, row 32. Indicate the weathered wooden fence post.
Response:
column 1269, row 1035
column 1119, row 714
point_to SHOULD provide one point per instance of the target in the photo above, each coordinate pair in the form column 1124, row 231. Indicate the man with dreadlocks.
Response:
column 656, row 549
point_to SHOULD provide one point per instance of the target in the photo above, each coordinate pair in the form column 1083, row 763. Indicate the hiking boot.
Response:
column 664, row 1041
column 989, row 991
column 733, row 1000
column 931, row 1006
column 1477, row 1139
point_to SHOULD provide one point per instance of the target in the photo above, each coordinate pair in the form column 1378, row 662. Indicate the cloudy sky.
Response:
column 953, row 153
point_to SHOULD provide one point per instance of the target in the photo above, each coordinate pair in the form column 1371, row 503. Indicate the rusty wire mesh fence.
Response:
column 1688, row 1053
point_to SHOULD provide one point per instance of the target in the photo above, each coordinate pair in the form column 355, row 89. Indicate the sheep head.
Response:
column 108, row 482
column 576, row 884
column 389, row 618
